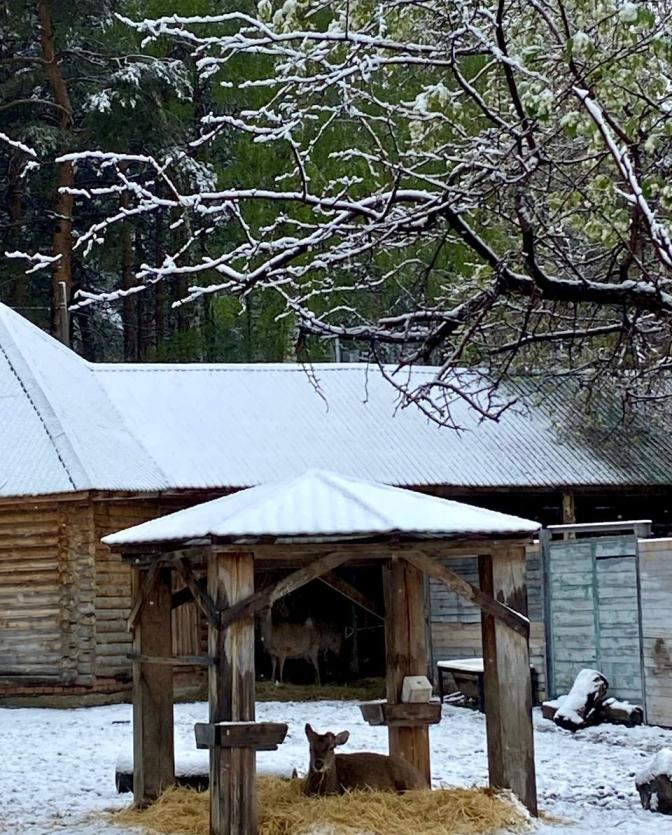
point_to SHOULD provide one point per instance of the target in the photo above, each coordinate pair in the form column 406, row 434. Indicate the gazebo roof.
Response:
column 324, row 505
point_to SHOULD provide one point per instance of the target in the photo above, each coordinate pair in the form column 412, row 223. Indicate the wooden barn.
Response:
column 88, row 449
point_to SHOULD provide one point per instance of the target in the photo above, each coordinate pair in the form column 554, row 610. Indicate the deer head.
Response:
column 322, row 747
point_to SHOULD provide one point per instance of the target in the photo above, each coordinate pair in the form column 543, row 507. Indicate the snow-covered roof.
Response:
column 327, row 506
column 70, row 425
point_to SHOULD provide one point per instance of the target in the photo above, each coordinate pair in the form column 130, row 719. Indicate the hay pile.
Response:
column 284, row 810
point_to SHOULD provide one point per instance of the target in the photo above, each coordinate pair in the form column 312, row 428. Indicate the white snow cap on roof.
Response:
column 71, row 425
column 319, row 503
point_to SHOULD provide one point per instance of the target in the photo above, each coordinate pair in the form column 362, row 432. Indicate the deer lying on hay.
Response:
column 298, row 640
column 331, row 773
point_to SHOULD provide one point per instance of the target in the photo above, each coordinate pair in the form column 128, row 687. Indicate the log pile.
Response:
column 654, row 783
column 587, row 704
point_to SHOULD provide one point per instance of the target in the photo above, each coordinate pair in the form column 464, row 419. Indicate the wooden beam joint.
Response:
column 505, row 614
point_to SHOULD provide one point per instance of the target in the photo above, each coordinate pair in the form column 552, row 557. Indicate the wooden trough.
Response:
column 310, row 525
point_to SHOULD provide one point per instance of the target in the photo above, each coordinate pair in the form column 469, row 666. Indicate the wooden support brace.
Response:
column 153, row 750
column 142, row 593
column 266, row 597
column 505, row 614
column 507, row 682
column 184, row 595
column 349, row 591
column 201, row 597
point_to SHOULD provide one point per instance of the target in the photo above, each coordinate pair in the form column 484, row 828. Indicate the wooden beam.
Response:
column 353, row 594
column 184, row 595
column 507, row 681
column 141, row 594
column 201, row 597
column 172, row 660
column 153, row 748
column 568, row 512
column 506, row 615
column 405, row 654
column 266, row 597
column 382, row 548
column 233, row 807
column 262, row 736
column 283, row 551
column 568, row 508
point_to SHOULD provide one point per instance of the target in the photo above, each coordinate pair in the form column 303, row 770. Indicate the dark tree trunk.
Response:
column 62, row 204
column 129, row 312
column 18, row 288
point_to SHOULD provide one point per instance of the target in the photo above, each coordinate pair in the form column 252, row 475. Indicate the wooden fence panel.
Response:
column 655, row 569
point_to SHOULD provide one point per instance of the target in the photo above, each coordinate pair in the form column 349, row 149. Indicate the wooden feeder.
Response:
column 310, row 525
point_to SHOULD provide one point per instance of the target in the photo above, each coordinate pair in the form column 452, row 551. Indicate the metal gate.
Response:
column 593, row 616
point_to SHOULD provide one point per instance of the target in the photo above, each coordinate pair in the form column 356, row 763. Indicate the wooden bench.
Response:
column 467, row 674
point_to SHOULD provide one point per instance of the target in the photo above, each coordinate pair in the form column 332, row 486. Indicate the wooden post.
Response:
column 507, row 679
column 153, row 749
column 233, row 802
column 568, row 512
column 406, row 653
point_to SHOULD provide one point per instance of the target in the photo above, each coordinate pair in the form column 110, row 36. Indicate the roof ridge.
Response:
column 236, row 367
column 337, row 481
column 22, row 370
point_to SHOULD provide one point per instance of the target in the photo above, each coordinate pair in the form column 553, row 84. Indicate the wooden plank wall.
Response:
column 46, row 594
column 594, row 613
column 456, row 623
column 655, row 571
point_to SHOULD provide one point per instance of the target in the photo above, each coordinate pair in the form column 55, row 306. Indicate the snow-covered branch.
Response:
column 459, row 182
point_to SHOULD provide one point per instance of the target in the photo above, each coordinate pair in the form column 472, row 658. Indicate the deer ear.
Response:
column 342, row 738
column 310, row 733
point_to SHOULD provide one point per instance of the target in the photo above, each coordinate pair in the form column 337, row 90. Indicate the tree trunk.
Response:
column 129, row 310
column 17, row 293
column 159, row 287
column 62, row 204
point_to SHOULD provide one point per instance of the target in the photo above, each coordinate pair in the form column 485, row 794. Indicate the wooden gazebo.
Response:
column 309, row 525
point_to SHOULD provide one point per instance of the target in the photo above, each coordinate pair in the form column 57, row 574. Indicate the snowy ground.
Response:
column 57, row 773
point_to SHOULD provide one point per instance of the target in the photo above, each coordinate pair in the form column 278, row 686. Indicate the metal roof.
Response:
column 324, row 505
column 72, row 425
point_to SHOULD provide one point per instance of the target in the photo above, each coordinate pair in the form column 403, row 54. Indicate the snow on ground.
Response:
column 57, row 772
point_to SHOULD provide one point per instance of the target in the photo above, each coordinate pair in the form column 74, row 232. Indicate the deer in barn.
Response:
column 331, row 773
column 306, row 640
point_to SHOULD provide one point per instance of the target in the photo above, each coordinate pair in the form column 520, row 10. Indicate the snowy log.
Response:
column 549, row 709
column 581, row 705
column 617, row 712
column 123, row 780
column 654, row 783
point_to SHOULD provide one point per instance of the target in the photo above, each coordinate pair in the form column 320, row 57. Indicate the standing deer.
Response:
column 331, row 773
column 298, row 640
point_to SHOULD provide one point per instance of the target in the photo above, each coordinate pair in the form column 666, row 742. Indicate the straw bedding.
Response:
column 284, row 810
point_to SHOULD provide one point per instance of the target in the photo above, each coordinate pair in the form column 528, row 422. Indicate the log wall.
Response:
column 64, row 598
column 47, row 605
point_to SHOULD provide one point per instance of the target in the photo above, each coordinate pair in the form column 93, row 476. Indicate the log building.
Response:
column 88, row 449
